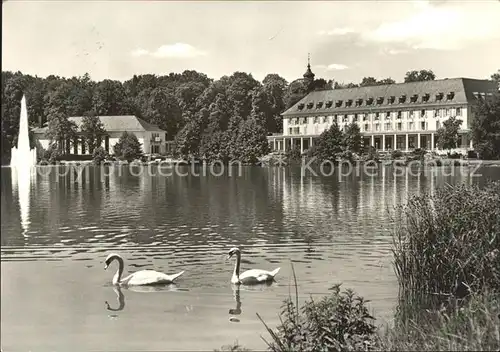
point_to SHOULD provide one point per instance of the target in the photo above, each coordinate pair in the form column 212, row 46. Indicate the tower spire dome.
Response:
column 309, row 75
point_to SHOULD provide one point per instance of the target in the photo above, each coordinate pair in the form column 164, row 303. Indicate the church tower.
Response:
column 309, row 75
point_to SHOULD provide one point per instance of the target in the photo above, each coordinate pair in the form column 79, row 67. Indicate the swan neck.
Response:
column 237, row 265
column 119, row 272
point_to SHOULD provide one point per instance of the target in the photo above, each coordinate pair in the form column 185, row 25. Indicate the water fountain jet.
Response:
column 22, row 163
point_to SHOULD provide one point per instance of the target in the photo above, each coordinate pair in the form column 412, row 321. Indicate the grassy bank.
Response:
column 447, row 260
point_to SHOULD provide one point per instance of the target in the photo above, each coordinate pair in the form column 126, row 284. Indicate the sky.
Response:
column 346, row 40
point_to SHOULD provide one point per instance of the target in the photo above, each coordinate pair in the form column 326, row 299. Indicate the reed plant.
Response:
column 448, row 244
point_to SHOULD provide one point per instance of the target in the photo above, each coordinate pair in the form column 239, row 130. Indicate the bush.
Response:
column 419, row 153
column 396, row 154
column 99, row 155
column 293, row 154
column 337, row 322
column 128, row 147
column 448, row 244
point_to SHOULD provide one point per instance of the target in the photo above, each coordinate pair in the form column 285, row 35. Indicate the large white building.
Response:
column 401, row 116
column 151, row 137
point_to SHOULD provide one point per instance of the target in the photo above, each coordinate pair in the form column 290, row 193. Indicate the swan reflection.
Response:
column 120, row 297
column 237, row 298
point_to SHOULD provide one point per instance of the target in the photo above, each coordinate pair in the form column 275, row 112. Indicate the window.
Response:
column 410, row 126
column 425, row 97
column 438, row 125
column 458, row 111
column 377, row 127
column 391, row 99
column 303, row 120
column 411, row 114
column 439, row 96
column 388, row 126
column 316, row 120
column 300, row 106
column 414, row 98
column 329, row 104
column 338, row 104
column 359, row 102
column 402, row 99
column 380, row 100
column 310, row 105
column 423, row 125
column 377, row 116
column 450, row 95
column 324, row 119
column 348, row 103
column 367, row 127
column 448, row 112
column 436, row 113
column 319, row 105
column 346, row 118
column 369, row 101
column 365, row 117
column 355, row 117
column 400, row 115
column 387, row 115
column 399, row 126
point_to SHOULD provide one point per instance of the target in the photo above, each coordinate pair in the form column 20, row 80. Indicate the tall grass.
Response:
column 448, row 244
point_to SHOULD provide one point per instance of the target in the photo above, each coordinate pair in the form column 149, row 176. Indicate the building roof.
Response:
column 413, row 95
column 129, row 123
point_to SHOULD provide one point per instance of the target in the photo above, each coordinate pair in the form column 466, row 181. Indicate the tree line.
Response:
column 218, row 119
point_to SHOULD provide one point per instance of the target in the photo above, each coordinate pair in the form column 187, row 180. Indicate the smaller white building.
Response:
column 152, row 138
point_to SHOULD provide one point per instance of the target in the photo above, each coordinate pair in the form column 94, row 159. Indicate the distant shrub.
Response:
column 455, row 155
column 396, row 154
column 99, row 155
column 293, row 154
column 372, row 154
column 419, row 153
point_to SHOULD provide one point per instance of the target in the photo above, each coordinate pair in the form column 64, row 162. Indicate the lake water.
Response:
column 56, row 234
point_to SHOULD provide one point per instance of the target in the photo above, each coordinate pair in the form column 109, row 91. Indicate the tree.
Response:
column 92, row 131
column 61, row 131
column 251, row 141
column 275, row 87
column 371, row 81
column 352, row 138
column 128, row 147
column 162, row 109
column 496, row 78
column 417, row 76
column 448, row 134
column 485, row 128
column 330, row 143
column 295, row 92
column 110, row 99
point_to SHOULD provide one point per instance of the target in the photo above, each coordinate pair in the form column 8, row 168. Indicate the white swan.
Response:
column 143, row 277
column 249, row 277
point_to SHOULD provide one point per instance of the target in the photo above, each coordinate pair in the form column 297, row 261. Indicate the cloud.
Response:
column 177, row 50
column 337, row 31
column 332, row 67
column 439, row 28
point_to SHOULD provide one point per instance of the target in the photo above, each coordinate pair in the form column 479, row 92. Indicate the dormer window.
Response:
column 450, row 95
column 348, row 103
column 300, row 106
column 310, row 105
column 414, row 97
column 359, row 102
column 319, row 105
column 369, row 101
column 329, row 104
column 425, row 97
column 402, row 99
column 380, row 100
column 439, row 96
column 338, row 104
column 391, row 99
